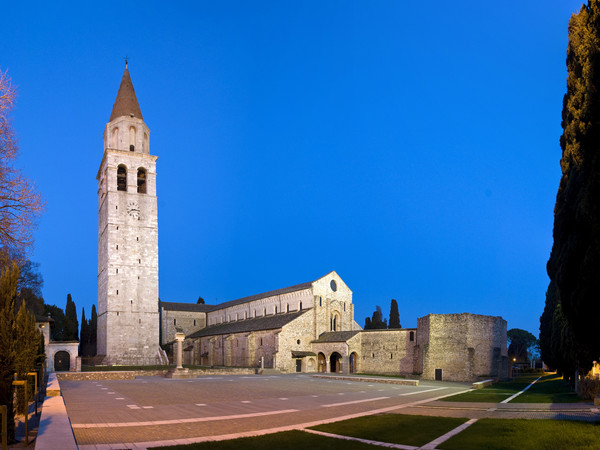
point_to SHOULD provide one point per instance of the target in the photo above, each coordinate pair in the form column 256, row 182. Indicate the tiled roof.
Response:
column 126, row 103
column 336, row 336
column 186, row 307
column 247, row 325
column 281, row 291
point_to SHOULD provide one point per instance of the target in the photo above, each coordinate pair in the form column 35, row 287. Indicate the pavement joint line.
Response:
column 433, row 444
column 421, row 392
column 519, row 393
column 174, row 421
column 364, row 441
column 354, row 402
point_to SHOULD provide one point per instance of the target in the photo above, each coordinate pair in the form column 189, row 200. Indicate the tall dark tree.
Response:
column 84, row 335
column 521, row 342
column 394, row 315
column 574, row 262
column 72, row 329
column 93, row 331
column 58, row 328
column 377, row 320
column 8, row 349
column 368, row 324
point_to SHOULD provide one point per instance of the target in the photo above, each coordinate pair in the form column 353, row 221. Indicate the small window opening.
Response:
column 298, row 342
column 276, row 310
column 117, row 292
column 287, row 308
column 141, row 181
column 391, row 356
column 117, row 270
column 300, row 307
column 121, row 178
column 194, row 322
column 412, row 336
column 260, row 341
column 174, row 321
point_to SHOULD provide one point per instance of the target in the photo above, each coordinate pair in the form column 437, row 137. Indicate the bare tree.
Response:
column 20, row 203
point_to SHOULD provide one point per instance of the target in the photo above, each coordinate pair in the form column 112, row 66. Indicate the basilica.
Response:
column 308, row 327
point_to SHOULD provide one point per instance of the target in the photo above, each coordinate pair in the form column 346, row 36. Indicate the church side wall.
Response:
column 263, row 307
column 387, row 351
column 187, row 321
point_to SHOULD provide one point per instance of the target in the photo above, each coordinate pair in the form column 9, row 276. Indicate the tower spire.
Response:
column 126, row 103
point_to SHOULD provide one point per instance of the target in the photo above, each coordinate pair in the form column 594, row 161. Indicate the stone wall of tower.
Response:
column 128, row 317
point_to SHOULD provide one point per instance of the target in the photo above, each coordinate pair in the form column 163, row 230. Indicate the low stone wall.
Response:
column 131, row 374
column 371, row 380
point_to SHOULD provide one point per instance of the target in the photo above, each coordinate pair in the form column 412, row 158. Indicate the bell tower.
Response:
column 128, row 321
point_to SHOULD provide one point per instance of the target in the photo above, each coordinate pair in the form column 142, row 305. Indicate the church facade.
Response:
column 308, row 327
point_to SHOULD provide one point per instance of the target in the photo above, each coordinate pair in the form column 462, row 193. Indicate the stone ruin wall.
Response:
column 465, row 346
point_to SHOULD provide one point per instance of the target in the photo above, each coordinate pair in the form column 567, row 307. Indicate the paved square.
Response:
column 160, row 410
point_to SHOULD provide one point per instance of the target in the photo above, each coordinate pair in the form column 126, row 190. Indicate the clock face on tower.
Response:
column 133, row 210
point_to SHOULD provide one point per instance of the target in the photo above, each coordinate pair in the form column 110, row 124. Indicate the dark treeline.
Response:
column 568, row 326
column 377, row 322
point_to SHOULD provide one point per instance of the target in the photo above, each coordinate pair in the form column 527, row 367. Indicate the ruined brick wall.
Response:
column 387, row 351
column 464, row 346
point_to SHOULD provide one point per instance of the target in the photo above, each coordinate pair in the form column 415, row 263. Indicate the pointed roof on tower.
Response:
column 126, row 103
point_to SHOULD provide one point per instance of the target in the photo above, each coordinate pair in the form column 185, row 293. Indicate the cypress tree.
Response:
column 569, row 321
column 72, row 325
column 368, row 325
column 93, row 331
column 84, row 339
column 394, row 315
column 8, row 348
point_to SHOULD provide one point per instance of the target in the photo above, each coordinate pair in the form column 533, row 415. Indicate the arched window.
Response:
column 121, row 178
column 141, row 181
column 131, row 139
column 300, row 307
column 115, row 138
column 145, row 144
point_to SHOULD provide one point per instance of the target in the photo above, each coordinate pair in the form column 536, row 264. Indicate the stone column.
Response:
column 179, row 337
column 327, row 366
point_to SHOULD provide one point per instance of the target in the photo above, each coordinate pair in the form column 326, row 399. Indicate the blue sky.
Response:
column 413, row 148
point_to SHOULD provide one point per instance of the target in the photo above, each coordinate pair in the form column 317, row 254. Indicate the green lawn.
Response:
column 394, row 428
column 524, row 434
column 288, row 440
column 549, row 389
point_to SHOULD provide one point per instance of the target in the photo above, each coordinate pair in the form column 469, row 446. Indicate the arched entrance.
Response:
column 322, row 363
column 62, row 361
column 353, row 362
column 335, row 363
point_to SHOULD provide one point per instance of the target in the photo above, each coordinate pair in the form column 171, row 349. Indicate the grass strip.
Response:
column 549, row 389
column 394, row 428
column 500, row 434
column 286, row 440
